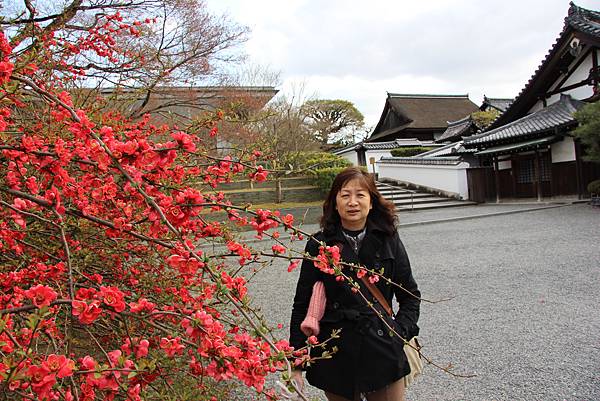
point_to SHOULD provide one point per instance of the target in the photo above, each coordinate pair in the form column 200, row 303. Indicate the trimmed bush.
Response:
column 324, row 177
column 316, row 160
column 409, row 151
column 594, row 187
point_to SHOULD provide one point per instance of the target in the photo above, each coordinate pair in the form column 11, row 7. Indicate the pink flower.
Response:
column 87, row 313
column 59, row 364
column 293, row 265
column 278, row 249
column 113, row 297
column 141, row 350
column 171, row 346
column 141, row 305
column 41, row 295
column 313, row 340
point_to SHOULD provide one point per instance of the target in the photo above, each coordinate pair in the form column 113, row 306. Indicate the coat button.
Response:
column 380, row 333
column 336, row 305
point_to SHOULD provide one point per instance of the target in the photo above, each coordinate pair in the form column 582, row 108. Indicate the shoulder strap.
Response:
column 377, row 294
column 372, row 289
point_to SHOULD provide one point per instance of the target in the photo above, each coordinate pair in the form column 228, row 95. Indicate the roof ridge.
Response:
column 565, row 100
column 574, row 9
column 460, row 121
column 498, row 98
column 425, row 96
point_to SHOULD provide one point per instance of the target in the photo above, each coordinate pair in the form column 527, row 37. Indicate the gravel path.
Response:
column 524, row 317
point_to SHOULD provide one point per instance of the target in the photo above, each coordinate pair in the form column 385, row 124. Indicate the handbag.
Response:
column 412, row 349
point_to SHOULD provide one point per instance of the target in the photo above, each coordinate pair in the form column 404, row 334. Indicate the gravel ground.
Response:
column 524, row 316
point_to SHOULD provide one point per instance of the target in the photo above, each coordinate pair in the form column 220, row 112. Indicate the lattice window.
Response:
column 526, row 173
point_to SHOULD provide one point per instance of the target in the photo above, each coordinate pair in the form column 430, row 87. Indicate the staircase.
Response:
column 406, row 199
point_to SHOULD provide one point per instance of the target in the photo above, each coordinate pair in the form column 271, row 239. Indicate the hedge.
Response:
column 410, row 151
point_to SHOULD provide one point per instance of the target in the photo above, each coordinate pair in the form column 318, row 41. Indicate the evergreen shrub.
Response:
column 594, row 187
column 409, row 151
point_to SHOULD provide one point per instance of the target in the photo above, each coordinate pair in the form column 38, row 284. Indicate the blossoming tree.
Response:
column 106, row 290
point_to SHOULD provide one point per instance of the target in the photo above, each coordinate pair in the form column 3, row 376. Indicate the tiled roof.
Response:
column 431, row 111
column 583, row 20
column 379, row 145
column 520, row 146
column 398, row 143
column 500, row 104
column 457, row 129
column 456, row 148
column 557, row 115
column 448, row 161
column 578, row 20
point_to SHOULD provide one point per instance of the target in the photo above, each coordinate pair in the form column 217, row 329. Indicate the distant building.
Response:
column 182, row 103
column 499, row 104
column 529, row 147
column 422, row 117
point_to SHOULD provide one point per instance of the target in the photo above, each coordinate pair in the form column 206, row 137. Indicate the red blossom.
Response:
column 6, row 69
column 41, row 295
column 278, row 249
column 87, row 313
column 42, row 380
column 113, row 297
column 171, row 346
column 293, row 265
column 259, row 175
column 60, row 365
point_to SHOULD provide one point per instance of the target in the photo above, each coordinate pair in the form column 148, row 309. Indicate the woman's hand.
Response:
column 297, row 377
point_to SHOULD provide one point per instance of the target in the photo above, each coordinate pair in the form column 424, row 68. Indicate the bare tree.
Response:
column 150, row 44
column 283, row 133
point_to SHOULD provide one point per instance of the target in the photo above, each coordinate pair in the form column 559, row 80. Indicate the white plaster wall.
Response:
column 351, row 156
column 451, row 179
column 583, row 92
column 377, row 154
column 582, row 72
column 563, row 151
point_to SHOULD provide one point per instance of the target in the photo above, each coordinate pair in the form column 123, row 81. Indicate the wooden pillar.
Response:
column 514, row 174
column 497, row 178
column 549, row 159
column 578, row 168
column 538, row 176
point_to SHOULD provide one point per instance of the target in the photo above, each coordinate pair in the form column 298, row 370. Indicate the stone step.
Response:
column 434, row 205
column 418, row 201
column 402, row 196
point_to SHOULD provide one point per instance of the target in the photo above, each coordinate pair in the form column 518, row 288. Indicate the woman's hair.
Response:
column 382, row 214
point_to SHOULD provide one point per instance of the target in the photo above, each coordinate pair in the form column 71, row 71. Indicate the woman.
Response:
column 369, row 358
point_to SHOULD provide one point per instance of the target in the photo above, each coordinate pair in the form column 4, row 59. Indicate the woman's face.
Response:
column 353, row 203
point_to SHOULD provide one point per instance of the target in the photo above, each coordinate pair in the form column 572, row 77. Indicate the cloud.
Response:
column 358, row 50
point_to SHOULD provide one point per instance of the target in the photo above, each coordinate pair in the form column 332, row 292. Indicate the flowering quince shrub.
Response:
column 110, row 286
column 107, row 288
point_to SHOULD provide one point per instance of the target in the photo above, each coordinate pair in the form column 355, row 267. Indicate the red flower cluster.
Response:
column 6, row 67
column 108, row 279
column 328, row 259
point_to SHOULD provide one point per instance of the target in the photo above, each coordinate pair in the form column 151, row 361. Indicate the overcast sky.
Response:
column 359, row 50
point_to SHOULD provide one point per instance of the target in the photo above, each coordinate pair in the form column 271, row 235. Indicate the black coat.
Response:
column 369, row 356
